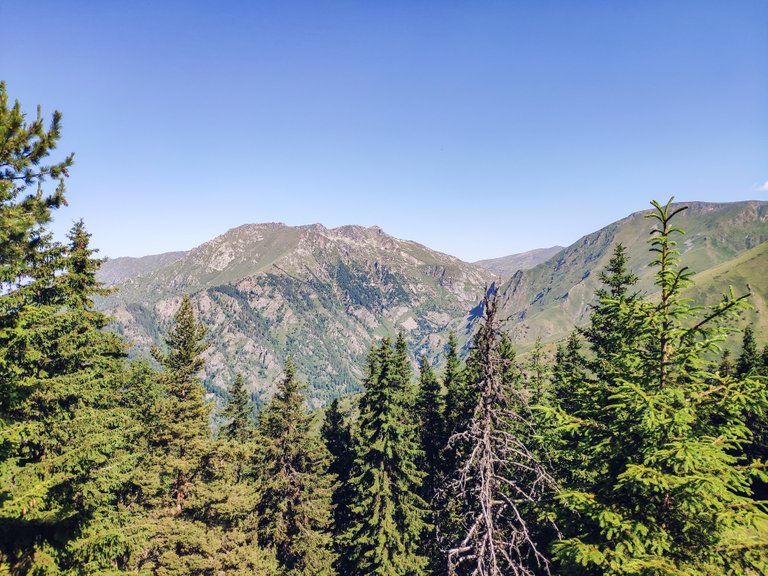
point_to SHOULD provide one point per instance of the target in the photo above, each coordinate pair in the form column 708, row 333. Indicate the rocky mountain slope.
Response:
column 508, row 265
column 321, row 296
column 547, row 300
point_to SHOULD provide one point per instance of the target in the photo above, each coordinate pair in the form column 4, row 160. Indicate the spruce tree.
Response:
column 295, row 510
column 668, row 493
column 388, row 515
column 337, row 436
column 182, row 431
column 238, row 413
column 64, row 438
column 749, row 359
column 430, row 410
column 538, row 373
column 433, row 438
column 458, row 400
column 726, row 367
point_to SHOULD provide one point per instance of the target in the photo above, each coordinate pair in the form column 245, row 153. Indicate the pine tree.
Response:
column 388, row 515
column 538, row 373
column 726, row 367
column 668, row 494
column 238, row 413
column 433, row 438
column 749, row 360
column 499, row 477
column 23, row 215
column 337, row 436
column 63, row 436
column 182, row 431
column 74, row 434
column 459, row 399
column 296, row 506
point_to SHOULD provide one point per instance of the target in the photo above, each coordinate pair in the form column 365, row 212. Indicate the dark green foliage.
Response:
column 538, row 373
column 459, row 397
column 238, row 413
column 726, row 367
column 65, row 436
column 181, row 431
column 388, row 515
column 23, row 213
column 295, row 508
column 749, row 360
column 433, row 438
column 430, row 411
column 337, row 436
column 668, row 493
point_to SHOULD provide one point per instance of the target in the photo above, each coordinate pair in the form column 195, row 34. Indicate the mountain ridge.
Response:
column 323, row 295
column 320, row 295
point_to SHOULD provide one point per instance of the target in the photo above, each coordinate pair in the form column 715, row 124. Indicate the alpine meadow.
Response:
column 333, row 400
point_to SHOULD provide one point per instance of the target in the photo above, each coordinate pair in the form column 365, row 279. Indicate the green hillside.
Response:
column 547, row 300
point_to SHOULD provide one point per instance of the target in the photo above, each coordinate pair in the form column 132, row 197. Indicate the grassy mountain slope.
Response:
column 547, row 300
column 318, row 295
column 748, row 272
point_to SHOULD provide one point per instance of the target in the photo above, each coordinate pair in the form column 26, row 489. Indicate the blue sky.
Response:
column 478, row 128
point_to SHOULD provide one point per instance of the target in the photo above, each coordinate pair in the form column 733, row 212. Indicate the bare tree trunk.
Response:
column 498, row 474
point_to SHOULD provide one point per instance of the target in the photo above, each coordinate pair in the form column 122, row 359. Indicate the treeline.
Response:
column 638, row 449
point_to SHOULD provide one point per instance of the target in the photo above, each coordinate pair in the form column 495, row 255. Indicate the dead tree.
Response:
column 497, row 476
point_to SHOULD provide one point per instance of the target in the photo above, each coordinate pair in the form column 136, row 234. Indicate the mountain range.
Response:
column 321, row 296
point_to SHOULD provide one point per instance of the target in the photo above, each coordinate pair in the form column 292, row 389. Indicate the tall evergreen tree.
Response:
column 238, row 413
column 296, row 506
column 433, row 438
column 63, row 436
column 749, row 359
column 388, row 515
column 668, row 494
column 182, row 431
column 430, row 410
column 337, row 435
column 458, row 395
column 538, row 373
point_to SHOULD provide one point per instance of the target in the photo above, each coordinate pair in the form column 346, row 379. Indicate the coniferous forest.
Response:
column 638, row 448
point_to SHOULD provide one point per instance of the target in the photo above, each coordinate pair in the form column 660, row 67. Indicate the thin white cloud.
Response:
column 763, row 187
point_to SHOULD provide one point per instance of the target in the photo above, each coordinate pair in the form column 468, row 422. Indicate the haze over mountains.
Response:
column 323, row 295
column 508, row 265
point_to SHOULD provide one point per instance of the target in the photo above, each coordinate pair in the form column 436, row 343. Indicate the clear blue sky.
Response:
column 477, row 128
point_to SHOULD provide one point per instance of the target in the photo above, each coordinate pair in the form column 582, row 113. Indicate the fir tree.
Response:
column 668, row 494
column 238, row 413
column 182, row 431
column 459, row 400
column 63, row 436
column 388, row 515
column 337, row 436
column 749, row 360
column 433, row 438
column 296, row 506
